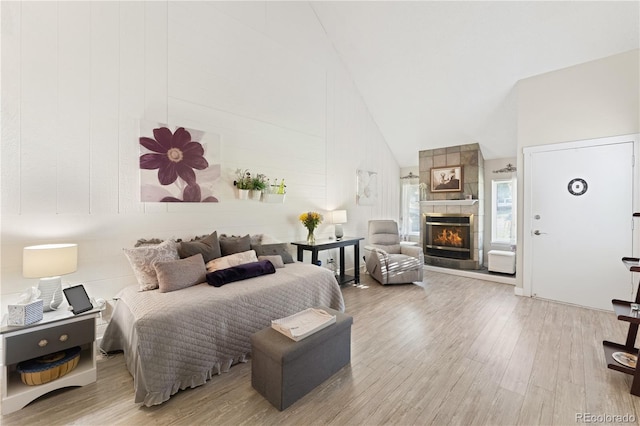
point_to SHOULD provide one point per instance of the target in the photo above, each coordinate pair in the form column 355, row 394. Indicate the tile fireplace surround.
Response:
column 470, row 157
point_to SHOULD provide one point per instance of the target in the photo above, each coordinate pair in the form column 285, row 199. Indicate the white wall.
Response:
column 77, row 78
column 596, row 99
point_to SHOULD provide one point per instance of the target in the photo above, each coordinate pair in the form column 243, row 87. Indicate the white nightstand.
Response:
column 58, row 330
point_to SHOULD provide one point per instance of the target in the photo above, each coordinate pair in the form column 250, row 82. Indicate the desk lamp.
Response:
column 338, row 217
column 48, row 262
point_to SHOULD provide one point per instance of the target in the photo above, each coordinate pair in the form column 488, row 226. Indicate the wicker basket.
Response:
column 42, row 370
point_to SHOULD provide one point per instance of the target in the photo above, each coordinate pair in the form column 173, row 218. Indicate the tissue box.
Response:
column 25, row 314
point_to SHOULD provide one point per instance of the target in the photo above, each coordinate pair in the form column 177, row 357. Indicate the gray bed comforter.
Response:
column 176, row 340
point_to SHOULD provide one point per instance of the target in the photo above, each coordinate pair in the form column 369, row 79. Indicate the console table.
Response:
column 329, row 244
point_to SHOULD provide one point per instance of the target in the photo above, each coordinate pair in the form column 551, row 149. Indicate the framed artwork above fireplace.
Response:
column 446, row 179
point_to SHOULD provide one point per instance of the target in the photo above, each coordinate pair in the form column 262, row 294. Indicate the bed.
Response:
column 177, row 340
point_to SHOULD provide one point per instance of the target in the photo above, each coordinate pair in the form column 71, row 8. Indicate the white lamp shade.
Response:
column 49, row 260
column 339, row 216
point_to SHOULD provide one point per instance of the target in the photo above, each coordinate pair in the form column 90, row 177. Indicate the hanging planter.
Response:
column 274, row 193
column 243, row 194
column 243, row 183
column 273, row 198
column 249, row 187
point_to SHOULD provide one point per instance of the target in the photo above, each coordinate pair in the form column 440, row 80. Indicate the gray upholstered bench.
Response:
column 283, row 370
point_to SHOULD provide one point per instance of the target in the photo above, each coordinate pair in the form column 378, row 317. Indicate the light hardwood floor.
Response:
column 453, row 351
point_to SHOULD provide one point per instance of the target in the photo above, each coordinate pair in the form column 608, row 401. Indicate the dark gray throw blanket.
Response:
column 240, row 272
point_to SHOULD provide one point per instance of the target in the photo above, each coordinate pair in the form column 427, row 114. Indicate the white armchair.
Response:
column 387, row 260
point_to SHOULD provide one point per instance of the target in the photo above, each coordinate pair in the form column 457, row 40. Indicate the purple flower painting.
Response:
column 173, row 155
column 179, row 165
column 192, row 194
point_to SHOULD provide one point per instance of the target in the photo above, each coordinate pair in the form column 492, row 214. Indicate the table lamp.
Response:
column 48, row 262
column 338, row 217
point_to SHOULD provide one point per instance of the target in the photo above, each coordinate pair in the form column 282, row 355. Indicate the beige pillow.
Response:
column 276, row 259
column 143, row 258
column 236, row 259
column 179, row 274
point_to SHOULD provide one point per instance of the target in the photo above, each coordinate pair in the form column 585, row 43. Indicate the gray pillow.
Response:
column 152, row 242
column 234, row 244
column 179, row 274
column 273, row 249
column 276, row 259
column 209, row 247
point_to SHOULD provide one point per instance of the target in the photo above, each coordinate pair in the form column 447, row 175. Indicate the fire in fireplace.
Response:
column 449, row 235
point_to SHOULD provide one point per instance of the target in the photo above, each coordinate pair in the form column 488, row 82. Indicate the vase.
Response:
column 311, row 239
column 256, row 194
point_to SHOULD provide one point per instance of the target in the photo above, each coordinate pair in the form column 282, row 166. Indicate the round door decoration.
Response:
column 577, row 186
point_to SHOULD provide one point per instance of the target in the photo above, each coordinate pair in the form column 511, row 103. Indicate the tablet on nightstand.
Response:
column 78, row 299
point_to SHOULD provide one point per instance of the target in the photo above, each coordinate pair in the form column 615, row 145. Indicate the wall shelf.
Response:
column 448, row 202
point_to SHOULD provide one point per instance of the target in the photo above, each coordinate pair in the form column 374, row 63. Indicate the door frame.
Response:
column 527, row 228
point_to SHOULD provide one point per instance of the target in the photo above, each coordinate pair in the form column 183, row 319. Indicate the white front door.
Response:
column 580, row 206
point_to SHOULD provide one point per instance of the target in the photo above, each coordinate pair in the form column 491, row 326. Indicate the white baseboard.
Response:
column 518, row 291
column 473, row 274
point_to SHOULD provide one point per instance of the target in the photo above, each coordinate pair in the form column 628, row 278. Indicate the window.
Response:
column 503, row 211
column 410, row 220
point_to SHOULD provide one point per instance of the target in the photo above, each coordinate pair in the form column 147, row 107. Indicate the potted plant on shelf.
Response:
column 243, row 182
column 275, row 193
column 258, row 184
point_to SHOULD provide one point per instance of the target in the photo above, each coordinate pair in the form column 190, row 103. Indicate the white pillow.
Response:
column 235, row 259
column 142, row 260
column 275, row 259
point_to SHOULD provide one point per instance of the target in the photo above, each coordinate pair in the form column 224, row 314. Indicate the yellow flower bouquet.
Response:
column 311, row 220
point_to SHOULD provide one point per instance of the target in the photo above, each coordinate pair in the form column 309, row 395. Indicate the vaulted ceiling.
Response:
column 443, row 73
